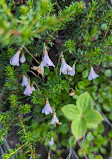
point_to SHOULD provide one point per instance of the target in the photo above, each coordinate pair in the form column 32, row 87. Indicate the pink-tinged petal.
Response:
column 47, row 109
column 51, row 142
column 72, row 73
column 54, row 119
column 92, row 74
column 28, row 90
column 47, row 61
column 15, row 59
column 65, row 67
column 22, row 59
column 33, row 89
column 24, row 81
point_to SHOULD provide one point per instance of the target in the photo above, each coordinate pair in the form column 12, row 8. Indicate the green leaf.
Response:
column 85, row 73
column 98, row 157
column 84, row 102
column 93, row 117
column 71, row 111
column 104, row 26
column 79, row 128
column 81, row 85
column 91, row 125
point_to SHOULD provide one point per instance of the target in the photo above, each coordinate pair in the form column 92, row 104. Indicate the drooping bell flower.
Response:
column 40, row 69
column 65, row 67
column 46, row 60
column 54, row 119
column 92, row 74
column 24, row 81
column 51, row 142
column 47, row 109
column 28, row 90
column 22, row 59
column 72, row 73
column 33, row 89
column 15, row 59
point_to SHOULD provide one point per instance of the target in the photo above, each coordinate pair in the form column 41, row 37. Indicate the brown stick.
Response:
column 31, row 55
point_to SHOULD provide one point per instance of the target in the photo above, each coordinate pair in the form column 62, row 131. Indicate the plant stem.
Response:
column 78, row 141
column 31, row 55
column 31, row 148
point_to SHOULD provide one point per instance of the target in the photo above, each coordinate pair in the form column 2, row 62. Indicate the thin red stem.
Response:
column 78, row 141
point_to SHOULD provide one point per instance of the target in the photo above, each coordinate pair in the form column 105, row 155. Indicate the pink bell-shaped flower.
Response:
column 46, row 60
column 15, row 59
column 28, row 90
column 51, row 142
column 24, row 81
column 72, row 73
column 65, row 67
column 22, row 59
column 47, row 109
column 92, row 74
column 54, row 119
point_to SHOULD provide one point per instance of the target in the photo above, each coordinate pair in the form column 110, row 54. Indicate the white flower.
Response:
column 51, row 142
column 28, row 90
column 24, row 81
column 92, row 74
column 15, row 59
column 72, row 73
column 47, row 109
column 33, row 89
column 65, row 67
column 46, row 60
column 22, row 59
column 54, row 119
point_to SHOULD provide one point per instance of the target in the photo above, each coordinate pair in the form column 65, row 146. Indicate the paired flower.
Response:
column 24, row 81
column 46, row 60
column 15, row 59
column 51, row 142
column 72, row 73
column 22, row 59
column 92, row 74
column 65, row 67
column 47, row 109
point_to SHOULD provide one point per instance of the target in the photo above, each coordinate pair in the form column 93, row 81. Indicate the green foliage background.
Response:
column 83, row 31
